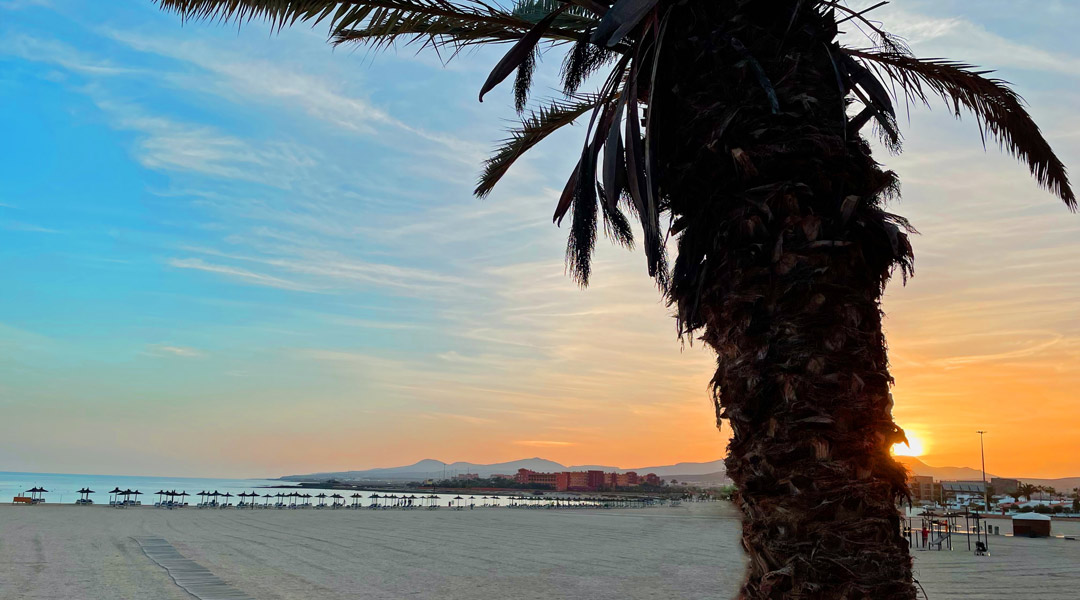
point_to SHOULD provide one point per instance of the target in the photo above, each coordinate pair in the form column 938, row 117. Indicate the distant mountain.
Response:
column 1063, row 484
column 918, row 467
column 430, row 468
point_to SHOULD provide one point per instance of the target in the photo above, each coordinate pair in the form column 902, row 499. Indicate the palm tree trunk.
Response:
column 784, row 253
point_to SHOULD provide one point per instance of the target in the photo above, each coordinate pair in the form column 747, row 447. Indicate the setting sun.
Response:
column 914, row 447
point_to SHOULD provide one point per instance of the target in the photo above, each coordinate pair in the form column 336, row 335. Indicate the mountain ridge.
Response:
column 918, row 467
column 432, row 468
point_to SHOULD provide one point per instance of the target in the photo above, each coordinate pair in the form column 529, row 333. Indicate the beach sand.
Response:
column 664, row 552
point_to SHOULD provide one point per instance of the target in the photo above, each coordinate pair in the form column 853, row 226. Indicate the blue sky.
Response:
column 264, row 252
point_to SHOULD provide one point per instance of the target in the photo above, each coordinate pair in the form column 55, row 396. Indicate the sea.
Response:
column 62, row 488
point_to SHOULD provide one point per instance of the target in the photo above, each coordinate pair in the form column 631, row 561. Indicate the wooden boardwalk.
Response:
column 196, row 579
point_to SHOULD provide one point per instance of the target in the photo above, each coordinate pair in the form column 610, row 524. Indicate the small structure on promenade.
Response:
column 1031, row 525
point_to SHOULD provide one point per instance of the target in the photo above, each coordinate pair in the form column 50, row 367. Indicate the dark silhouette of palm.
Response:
column 735, row 127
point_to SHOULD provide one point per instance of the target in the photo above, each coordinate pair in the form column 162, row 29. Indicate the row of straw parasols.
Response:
column 216, row 499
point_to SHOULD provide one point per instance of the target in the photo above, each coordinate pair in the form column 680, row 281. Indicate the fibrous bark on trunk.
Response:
column 784, row 252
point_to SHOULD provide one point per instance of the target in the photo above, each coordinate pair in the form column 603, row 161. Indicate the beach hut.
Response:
column 1031, row 525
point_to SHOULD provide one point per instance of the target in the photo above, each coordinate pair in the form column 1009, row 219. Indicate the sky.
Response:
column 231, row 253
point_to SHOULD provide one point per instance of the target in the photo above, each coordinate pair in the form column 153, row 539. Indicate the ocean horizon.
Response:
column 63, row 487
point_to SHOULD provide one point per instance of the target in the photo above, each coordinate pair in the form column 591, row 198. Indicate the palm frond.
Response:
column 381, row 22
column 540, row 123
column 998, row 109
column 523, row 81
column 583, row 60
column 439, row 32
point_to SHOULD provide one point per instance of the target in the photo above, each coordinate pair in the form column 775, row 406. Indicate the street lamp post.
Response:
column 982, row 452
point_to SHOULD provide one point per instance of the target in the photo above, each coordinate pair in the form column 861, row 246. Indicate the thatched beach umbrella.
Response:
column 111, row 493
column 374, row 500
column 356, row 500
column 337, row 497
column 266, row 499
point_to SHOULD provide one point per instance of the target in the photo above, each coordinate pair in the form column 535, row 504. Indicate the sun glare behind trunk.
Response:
column 914, row 447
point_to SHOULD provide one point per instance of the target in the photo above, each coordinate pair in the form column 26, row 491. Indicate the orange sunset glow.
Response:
column 251, row 281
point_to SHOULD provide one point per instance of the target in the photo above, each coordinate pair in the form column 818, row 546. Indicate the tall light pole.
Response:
column 982, row 452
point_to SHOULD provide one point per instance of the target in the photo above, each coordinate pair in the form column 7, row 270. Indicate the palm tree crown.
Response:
column 618, row 162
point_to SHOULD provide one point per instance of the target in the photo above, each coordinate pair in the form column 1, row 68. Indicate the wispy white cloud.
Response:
column 171, row 350
column 544, row 443
column 237, row 273
column 315, row 96
column 27, row 227
column 63, row 55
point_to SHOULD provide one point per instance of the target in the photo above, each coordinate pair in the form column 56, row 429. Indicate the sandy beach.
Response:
column 664, row 552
